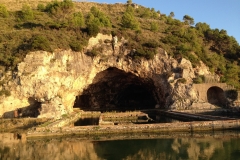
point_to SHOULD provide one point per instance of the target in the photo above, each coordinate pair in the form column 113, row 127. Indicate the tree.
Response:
column 76, row 45
column 232, row 75
column 129, row 2
column 147, row 13
column 40, row 42
column 172, row 14
column 203, row 27
column 129, row 21
column 77, row 20
column 98, row 17
column 60, row 10
column 154, row 27
column 189, row 20
column 41, row 7
column 130, row 9
column 93, row 29
column 27, row 13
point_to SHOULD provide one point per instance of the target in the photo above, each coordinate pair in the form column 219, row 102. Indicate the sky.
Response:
column 221, row 14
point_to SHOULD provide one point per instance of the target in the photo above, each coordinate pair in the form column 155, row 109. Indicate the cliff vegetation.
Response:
column 50, row 25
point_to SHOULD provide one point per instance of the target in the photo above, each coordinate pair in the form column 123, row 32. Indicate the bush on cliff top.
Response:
column 68, row 24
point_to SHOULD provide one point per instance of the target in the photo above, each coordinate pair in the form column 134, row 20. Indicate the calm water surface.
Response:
column 185, row 146
column 87, row 121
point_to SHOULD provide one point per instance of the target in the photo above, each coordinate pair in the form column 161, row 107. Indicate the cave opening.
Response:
column 216, row 96
column 114, row 89
column 33, row 110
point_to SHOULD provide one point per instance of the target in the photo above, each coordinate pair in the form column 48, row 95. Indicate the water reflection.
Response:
column 78, row 148
column 86, row 121
column 163, row 119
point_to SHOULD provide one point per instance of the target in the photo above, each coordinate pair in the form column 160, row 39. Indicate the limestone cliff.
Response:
column 48, row 84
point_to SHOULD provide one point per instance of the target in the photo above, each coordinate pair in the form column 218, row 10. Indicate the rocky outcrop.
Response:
column 47, row 84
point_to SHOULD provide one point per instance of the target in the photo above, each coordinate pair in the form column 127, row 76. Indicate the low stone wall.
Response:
column 71, row 118
column 125, row 115
column 20, row 123
column 139, row 128
column 58, row 128
column 122, row 118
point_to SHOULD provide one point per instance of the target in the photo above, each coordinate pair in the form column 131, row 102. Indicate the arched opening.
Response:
column 114, row 89
column 215, row 96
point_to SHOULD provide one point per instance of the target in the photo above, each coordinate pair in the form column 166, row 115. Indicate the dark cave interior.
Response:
column 114, row 89
column 215, row 96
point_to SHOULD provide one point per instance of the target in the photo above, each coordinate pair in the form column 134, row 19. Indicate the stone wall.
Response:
column 203, row 88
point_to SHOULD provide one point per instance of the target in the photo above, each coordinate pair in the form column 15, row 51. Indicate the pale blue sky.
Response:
column 221, row 14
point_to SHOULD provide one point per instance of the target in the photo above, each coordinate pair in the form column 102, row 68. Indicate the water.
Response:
column 163, row 119
column 172, row 146
column 87, row 121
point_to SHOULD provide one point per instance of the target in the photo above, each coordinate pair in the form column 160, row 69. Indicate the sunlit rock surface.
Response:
column 50, row 84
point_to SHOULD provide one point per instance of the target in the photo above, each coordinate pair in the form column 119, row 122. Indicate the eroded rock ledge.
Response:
column 51, row 84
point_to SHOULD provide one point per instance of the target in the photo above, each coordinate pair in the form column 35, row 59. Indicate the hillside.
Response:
column 46, row 25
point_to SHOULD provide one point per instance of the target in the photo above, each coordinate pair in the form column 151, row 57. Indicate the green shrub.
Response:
column 40, row 42
column 77, row 20
column 93, row 29
column 41, row 7
column 65, row 116
column 3, row 11
column 94, row 52
column 129, row 21
column 66, row 29
column 154, row 27
column 54, row 25
column 151, row 44
column 170, row 39
column 199, row 79
column 130, row 9
column 147, row 13
column 129, row 2
column 60, row 10
column 27, row 13
column 150, row 54
column 146, row 53
column 193, row 59
column 181, row 80
column 76, row 46
column 98, row 17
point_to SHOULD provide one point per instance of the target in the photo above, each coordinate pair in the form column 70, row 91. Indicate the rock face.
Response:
column 50, row 84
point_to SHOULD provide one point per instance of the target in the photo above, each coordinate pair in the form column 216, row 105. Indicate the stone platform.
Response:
column 107, row 126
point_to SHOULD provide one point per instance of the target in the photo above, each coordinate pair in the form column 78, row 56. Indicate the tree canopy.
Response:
column 189, row 20
column 68, row 25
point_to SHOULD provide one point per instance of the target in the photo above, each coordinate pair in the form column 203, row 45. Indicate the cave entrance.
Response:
column 114, row 89
column 216, row 96
column 33, row 110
